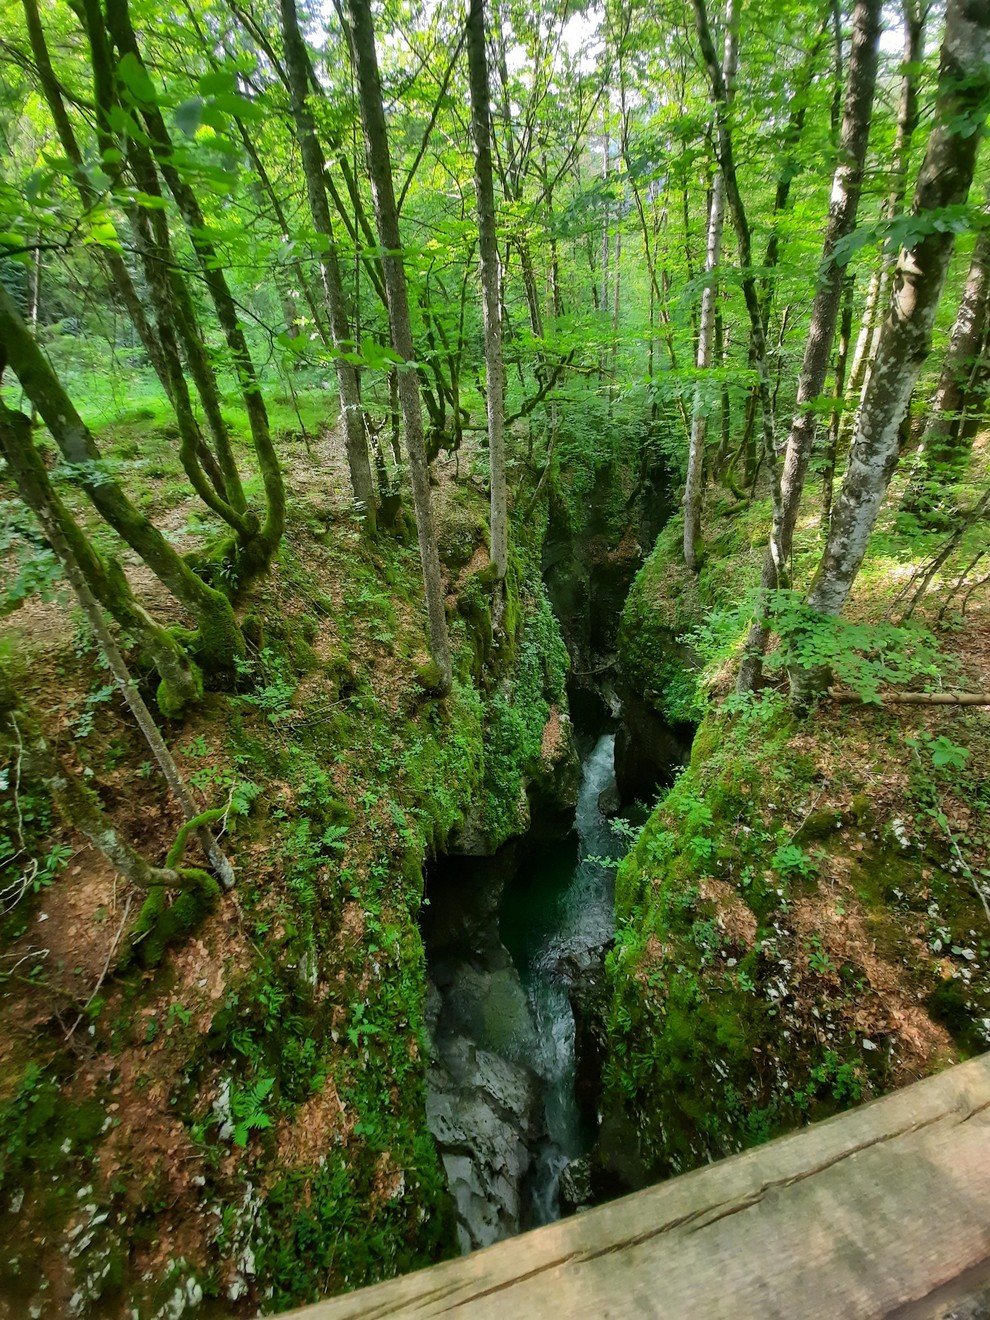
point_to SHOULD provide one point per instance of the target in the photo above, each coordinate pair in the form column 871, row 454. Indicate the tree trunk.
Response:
column 740, row 223
column 220, row 638
column 175, row 314
column 258, row 552
column 905, row 339
column 129, row 691
column 838, row 394
column 488, row 249
column 706, row 323
column 945, row 443
column 81, row 808
column 380, row 169
column 358, row 461
column 846, row 186
column 181, row 684
column 864, row 353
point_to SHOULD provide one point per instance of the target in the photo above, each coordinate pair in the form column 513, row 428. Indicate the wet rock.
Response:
column 590, row 997
column 648, row 750
column 609, row 802
column 483, row 1102
column 574, row 1188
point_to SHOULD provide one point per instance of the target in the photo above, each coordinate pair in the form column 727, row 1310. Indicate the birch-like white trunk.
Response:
column 706, row 324
column 847, row 183
column 905, row 339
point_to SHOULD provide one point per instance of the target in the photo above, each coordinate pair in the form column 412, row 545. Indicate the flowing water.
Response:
column 557, row 917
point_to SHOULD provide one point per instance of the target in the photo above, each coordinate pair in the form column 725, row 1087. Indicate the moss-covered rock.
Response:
column 777, row 958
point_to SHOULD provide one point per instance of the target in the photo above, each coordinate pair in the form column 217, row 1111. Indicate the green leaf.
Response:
column 133, row 75
column 189, row 116
column 36, row 185
column 233, row 104
column 211, row 84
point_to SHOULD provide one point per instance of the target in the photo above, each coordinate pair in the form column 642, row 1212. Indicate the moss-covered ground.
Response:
column 804, row 919
column 218, row 1104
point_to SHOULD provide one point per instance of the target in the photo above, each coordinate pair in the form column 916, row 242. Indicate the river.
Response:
column 557, row 916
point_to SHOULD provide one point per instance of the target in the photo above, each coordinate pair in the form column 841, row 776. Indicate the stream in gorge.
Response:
column 513, row 943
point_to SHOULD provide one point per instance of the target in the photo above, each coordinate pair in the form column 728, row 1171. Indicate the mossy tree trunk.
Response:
column 181, row 683
column 256, row 555
column 133, row 699
column 175, row 315
column 220, row 640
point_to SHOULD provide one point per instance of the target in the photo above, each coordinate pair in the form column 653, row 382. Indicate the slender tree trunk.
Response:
column 259, row 551
column 175, row 312
column 380, row 169
column 129, row 691
column 616, row 302
column 905, row 340
column 120, row 278
column 915, row 14
column 740, row 223
column 358, row 462
column 81, row 808
column 706, row 323
column 488, row 249
column 846, row 186
column 838, row 394
column 945, row 443
column 790, row 141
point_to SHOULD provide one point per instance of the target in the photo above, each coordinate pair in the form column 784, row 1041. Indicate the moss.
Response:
column 819, row 825
column 161, row 923
column 697, row 1062
column 354, row 782
column 949, row 1004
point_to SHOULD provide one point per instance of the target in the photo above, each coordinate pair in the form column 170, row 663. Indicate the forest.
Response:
column 474, row 475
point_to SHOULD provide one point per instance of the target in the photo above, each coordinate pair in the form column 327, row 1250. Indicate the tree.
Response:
column 961, row 390
column 706, row 321
column 220, row 641
column 379, row 160
column 488, row 251
column 740, row 223
column 846, row 184
column 17, row 448
column 333, row 287
column 181, row 683
column 919, row 276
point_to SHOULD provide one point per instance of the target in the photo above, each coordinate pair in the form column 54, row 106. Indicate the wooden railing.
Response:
column 882, row 1211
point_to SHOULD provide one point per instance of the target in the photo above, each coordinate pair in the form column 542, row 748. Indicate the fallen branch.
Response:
column 914, row 698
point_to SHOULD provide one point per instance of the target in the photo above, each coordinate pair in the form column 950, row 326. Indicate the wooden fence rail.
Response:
column 882, row 1211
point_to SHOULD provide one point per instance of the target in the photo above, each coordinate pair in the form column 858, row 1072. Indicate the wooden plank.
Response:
column 871, row 1212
